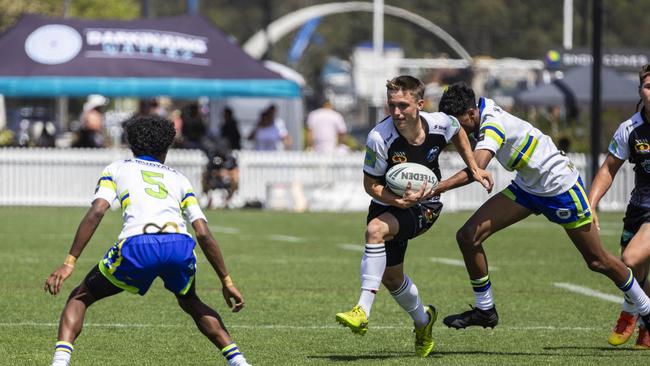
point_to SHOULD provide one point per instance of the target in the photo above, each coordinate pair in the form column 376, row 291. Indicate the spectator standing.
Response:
column 270, row 134
column 92, row 122
column 326, row 129
column 230, row 129
column 193, row 127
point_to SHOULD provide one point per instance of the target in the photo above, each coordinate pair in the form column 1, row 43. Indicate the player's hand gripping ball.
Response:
column 399, row 176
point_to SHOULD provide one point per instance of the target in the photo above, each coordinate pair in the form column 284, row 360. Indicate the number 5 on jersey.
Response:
column 150, row 178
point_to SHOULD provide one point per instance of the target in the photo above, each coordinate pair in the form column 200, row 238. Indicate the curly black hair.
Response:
column 457, row 100
column 150, row 135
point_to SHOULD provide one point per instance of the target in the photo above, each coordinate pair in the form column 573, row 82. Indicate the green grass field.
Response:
column 296, row 271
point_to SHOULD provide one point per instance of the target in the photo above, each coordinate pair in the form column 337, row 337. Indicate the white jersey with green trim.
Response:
column 541, row 168
column 153, row 196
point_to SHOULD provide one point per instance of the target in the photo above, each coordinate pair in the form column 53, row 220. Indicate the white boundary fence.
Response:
column 283, row 180
column 67, row 177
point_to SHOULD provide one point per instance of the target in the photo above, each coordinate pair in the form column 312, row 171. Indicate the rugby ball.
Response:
column 398, row 177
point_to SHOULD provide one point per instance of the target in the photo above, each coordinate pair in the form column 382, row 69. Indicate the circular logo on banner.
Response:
column 53, row 44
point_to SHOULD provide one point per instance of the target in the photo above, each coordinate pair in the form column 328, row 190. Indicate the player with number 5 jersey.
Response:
column 153, row 196
column 154, row 242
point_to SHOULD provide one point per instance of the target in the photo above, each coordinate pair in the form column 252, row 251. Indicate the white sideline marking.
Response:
column 280, row 326
column 287, row 238
column 352, row 247
column 224, row 229
column 589, row 292
column 455, row 262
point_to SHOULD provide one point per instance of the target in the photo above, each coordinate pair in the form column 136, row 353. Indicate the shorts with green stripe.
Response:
column 570, row 209
column 133, row 263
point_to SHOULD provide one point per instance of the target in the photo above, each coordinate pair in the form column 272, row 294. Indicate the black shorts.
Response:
column 412, row 222
column 635, row 216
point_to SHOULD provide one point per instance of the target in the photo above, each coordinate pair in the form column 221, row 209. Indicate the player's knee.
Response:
column 633, row 260
column 392, row 282
column 188, row 304
column 81, row 293
column 465, row 236
column 376, row 231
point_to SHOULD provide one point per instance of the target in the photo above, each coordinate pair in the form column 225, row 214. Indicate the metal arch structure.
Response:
column 257, row 45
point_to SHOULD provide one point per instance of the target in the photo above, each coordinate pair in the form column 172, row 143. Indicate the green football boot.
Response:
column 354, row 319
column 423, row 340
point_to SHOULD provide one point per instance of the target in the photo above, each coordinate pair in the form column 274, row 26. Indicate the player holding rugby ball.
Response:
column 406, row 135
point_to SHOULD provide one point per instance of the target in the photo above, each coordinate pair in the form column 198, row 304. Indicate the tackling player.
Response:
column 546, row 182
column 414, row 136
column 154, row 242
column 631, row 142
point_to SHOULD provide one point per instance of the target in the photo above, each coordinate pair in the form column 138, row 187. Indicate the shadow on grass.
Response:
column 438, row 354
column 344, row 358
column 488, row 353
column 607, row 349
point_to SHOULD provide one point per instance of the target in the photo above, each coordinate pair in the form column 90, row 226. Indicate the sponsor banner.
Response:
column 622, row 60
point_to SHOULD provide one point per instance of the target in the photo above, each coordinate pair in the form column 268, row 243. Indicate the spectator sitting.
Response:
column 221, row 172
column 326, row 130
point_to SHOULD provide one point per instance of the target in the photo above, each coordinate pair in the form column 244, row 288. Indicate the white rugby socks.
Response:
column 483, row 293
column 635, row 293
column 373, row 265
column 62, row 354
column 408, row 298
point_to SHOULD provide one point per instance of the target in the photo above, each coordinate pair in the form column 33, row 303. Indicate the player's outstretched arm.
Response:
column 212, row 252
column 85, row 231
column 602, row 182
column 478, row 173
column 463, row 177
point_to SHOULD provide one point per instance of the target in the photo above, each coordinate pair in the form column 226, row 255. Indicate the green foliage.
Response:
column 102, row 9
column 294, row 288
column 497, row 28
column 10, row 10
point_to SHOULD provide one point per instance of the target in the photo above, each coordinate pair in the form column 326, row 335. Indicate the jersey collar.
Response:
column 147, row 158
column 642, row 113
column 481, row 106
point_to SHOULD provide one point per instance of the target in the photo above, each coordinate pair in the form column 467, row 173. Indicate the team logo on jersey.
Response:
column 571, row 166
column 399, row 157
column 642, row 146
column 371, row 158
column 563, row 213
column 433, row 153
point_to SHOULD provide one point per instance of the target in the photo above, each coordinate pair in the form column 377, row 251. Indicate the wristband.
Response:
column 227, row 281
column 70, row 261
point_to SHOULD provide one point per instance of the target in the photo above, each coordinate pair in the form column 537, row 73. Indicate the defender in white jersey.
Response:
column 407, row 135
column 154, row 242
column 631, row 142
column 546, row 183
